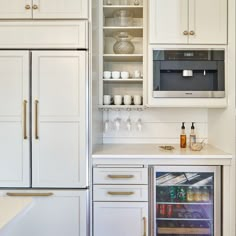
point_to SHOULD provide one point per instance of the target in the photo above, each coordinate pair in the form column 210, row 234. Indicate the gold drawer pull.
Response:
column 29, row 194
column 35, row 7
column 27, row 7
column 120, row 193
column 192, row 33
column 120, row 176
column 145, row 226
column 185, row 32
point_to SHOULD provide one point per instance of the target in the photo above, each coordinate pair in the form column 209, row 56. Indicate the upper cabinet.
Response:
column 44, row 9
column 188, row 21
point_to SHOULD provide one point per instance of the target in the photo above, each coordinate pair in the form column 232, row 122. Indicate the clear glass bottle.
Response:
column 197, row 195
column 192, row 136
column 205, row 194
column 190, row 194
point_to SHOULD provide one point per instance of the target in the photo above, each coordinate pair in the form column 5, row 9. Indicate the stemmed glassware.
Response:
column 107, row 122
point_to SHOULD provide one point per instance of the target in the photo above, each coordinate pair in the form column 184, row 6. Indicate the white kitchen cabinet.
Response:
column 120, row 218
column 14, row 118
column 168, row 21
column 57, row 213
column 59, row 119
column 44, row 34
column 44, row 9
column 208, row 21
column 15, row 9
column 188, row 21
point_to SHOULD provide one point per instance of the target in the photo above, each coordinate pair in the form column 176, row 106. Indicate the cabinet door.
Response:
column 116, row 219
column 63, row 213
column 14, row 118
column 60, row 9
column 59, row 119
column 15, row 9
column 168, row 20
column 208, row 21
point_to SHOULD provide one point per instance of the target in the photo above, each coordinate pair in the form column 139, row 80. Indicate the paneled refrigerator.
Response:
column 185, row 201
column 43, row 139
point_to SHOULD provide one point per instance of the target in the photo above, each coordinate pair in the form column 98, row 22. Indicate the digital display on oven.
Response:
column 188, row 54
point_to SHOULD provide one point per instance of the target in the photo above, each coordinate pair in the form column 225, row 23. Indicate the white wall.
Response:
column 161, row 125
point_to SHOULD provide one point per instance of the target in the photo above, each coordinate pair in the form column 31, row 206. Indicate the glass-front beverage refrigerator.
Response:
column 185, row 201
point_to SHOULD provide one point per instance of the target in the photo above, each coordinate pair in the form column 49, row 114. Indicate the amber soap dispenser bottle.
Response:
column 183, row 137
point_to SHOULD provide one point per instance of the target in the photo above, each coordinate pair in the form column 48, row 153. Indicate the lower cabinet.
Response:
column 120, row 218
column 51, row 213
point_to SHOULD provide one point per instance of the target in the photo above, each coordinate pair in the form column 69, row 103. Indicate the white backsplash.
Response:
column 158, row 125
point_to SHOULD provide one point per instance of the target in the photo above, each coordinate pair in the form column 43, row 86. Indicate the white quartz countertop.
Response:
column 154, row 151
column 11, row 207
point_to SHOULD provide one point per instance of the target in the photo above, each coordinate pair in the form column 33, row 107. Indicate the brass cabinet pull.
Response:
column 29, row 194
column 27, row 7
column 185, row 32
column 36, row 102
column 120, row 176
column 25, row 119
column 35, row 7
column 192, row 32
column 120, row 193
column 145, row 226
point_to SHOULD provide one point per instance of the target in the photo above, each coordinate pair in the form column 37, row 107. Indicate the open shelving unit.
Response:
column 110, row 61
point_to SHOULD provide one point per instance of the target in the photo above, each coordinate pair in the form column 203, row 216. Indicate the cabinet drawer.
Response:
column 44, row 34
column 120, row 193
column 57, row 213
column 120, row 176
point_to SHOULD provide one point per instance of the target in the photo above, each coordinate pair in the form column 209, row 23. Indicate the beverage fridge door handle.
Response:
column 151, row 183
column 145, row 226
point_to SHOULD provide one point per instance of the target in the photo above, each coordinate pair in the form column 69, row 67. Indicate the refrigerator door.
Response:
column 59, row 119
column 185, row 200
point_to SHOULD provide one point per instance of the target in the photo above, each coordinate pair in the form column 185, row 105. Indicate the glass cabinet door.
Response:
column 185, row 201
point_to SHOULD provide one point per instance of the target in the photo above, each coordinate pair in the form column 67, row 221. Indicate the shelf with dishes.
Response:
column 129, row 80
column 123, row 52
column 122, row 107
column 123, row 16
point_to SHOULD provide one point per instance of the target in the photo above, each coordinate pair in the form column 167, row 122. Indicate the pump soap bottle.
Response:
column 183, row 138
column 192, row 136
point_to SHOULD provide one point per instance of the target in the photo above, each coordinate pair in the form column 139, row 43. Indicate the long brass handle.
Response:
column 35, row 7
column 120, row 176
column 192, row 32
column 36, row 102
column 145, row 226
column 27, row 7
column 29, row 194
column 25, row 119
column 120, row 193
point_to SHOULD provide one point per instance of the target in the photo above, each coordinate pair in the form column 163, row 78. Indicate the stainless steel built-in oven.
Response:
column 185, row 200
column 189, row 73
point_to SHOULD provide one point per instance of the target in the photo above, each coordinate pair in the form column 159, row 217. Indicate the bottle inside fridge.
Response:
column 186, row 202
